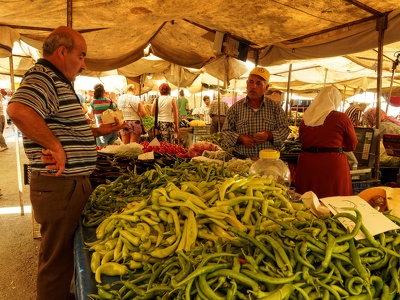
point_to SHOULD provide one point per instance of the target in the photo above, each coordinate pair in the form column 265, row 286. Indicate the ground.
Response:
column 18, row 248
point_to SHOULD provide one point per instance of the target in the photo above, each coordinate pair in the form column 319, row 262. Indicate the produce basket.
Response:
column 392, row 144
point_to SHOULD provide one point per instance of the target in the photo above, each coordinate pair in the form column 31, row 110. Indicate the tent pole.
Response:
column 288, row 90
column 381, row 25
column 394, row 66
column 17, row 146
column 234, row 92
column 344, row 97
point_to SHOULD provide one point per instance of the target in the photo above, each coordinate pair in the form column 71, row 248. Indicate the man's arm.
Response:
column 34, row 127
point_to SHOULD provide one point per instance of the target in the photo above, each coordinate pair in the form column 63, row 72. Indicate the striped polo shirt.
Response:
column 47, row 91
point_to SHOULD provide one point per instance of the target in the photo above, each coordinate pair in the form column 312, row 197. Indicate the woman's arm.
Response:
column 176, row 115
column 142, row 110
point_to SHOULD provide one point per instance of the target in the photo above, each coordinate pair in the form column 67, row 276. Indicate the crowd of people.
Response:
column 61, row 146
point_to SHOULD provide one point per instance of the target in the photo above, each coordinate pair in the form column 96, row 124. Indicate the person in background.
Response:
column 205, row 110
column 183, row 105
column 355, row 111
column 388, row 125
column 325, row 134
column 99, row 104
column 255, row 122
column 132, row 110
column 62, row 152
column 218, row 111
column 4, row 97
column 3, row 123
column 165, row 110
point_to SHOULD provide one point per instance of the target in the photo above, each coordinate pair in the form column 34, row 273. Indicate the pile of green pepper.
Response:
column 200, row 233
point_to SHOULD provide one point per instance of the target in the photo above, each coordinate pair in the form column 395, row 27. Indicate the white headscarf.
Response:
column 328, row 99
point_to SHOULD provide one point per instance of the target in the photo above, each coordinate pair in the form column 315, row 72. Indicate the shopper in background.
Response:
column 354, row 112
column 183, row 105
column 218, row 111
column 62, row 152
column 388, row 125
column 325, row 134
column 165, row 111
column 100, row 104
column 205, row 110
column 3, row 123
column 133, row 111
column 255, row 122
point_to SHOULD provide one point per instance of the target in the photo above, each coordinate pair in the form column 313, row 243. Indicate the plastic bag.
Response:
column 198, row 148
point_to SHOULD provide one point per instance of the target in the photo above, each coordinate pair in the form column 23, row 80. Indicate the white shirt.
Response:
column 205, row 110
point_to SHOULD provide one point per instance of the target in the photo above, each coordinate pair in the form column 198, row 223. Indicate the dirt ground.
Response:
column 18, row 248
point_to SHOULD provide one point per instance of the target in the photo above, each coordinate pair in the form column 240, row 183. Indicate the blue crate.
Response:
column 359, row 186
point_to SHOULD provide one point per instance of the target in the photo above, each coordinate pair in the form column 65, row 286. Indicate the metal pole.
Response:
column 394, row 66
column 17, row 146
column 288, row 89
column 381, row 26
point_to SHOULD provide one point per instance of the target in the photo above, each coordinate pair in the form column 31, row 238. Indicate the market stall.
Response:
column 207, row 229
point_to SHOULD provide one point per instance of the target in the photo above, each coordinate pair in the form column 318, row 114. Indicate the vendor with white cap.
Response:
column 255, row 122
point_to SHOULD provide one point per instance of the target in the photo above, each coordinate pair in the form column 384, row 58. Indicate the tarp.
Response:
column 182, row 33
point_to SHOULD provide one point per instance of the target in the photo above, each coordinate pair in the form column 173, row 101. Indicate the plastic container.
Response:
column 271, row 166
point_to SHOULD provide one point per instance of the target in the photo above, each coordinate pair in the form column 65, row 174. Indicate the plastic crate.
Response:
column 392, row 144
column 365, row 151
column 359, row 186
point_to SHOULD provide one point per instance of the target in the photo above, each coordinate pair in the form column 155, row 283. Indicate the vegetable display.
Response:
column 197, row 231
column 165, row 147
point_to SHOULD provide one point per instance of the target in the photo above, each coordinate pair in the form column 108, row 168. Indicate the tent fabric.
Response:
column 182, row 33
column 7, row 38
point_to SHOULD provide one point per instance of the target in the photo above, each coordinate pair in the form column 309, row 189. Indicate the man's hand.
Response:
column 262, row 136
column 54, row 160
column 104, row 129
column 247, row 140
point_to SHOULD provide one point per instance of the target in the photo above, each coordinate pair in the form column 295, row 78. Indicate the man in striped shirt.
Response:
column 62, row 151
column 255, row 122
column 355, row 112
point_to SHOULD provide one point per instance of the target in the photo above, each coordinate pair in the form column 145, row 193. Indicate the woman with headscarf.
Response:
column 325, row 135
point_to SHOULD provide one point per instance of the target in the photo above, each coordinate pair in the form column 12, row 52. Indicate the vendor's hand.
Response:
column 262, row 136
column 247, row 140
column 54, row 160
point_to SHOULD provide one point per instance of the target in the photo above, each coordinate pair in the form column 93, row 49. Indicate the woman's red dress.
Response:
column 327, row 174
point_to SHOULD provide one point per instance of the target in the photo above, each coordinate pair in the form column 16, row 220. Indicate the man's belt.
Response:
column 318, row 150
